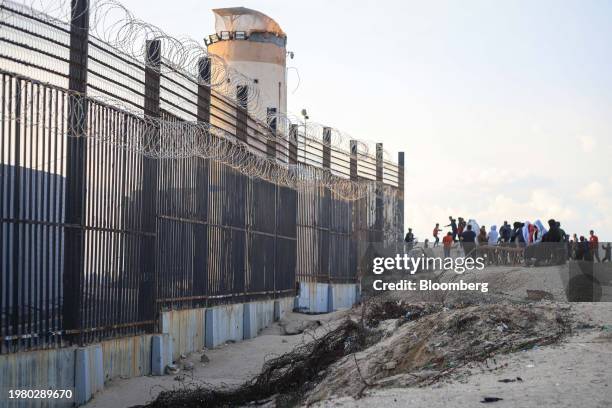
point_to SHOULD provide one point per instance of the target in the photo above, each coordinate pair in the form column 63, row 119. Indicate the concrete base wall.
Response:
column 186, row 330
column 343, row 295
column 325, row 297
column 242, row 321
column 86, row 370
column 224, row 323
column 313, row 298
column 43, row 369
column 282, row 306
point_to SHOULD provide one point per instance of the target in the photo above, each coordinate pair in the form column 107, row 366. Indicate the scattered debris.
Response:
column 396, row 344
column 172, row 369
column 509, row 380
column 383, row 309
column 435, row 346
column 287, row 375
column 293, row 328
column 390, row 365
column 188, row 366
column 487, row 400
column 538, row 295
column 204, row 359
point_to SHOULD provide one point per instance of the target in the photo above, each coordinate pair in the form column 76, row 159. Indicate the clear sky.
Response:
column 504, row 108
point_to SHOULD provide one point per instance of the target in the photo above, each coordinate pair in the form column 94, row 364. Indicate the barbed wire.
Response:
column 161, row 138
column 115, row 25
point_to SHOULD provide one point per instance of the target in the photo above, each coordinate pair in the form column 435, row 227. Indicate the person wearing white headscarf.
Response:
column 541, row 230
column 526, row 232
column 493, row 235
column 475, row 226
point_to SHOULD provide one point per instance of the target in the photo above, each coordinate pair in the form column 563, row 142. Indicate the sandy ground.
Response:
column 577, row 372
column 232, row 363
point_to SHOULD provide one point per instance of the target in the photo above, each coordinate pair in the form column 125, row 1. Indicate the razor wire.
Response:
column 160, row 138
column 116, row 26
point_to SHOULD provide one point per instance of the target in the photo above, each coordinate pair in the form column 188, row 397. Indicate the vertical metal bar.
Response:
column 242, row 116
column 379, row 193
column 4, row 226
column 353, row 160
column 293, row 144
column 326, row 148
column 204, row 91
column 400, row 186
column 200, row 266
column 147, row 291
column 75, row 162
column 325, row 213
column 271, row 142
column 16, row 314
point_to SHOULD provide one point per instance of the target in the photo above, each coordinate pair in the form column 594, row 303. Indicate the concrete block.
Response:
column 82, row 386
column 127, row 357
column 186, row 327
column 168, row 348
column 344, row 295
column 250, row 326
column 97, row 368
column 49, row 369
column 264, row 314
column 224, row 323
column 278, row 310
column 158, row 357
column 313, row 297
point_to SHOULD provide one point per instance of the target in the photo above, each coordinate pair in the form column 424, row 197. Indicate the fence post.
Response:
column 242, row 116
column 148, row 257
column 355, row 253
column 201, row 180
column 271, row 142
column 76, row 152
column 204, row 91
column 379, row 193
column 293, row 144
column 326, row 148
column 353, row 160
column 400, row 186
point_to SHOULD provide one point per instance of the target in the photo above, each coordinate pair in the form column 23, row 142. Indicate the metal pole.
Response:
column 379, row 194
column 242, row 116
column 293, row 144
column 400, row 186
column 148, row 245
column 76, row 152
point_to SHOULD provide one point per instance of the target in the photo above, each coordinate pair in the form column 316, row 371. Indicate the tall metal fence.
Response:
column 97, row 236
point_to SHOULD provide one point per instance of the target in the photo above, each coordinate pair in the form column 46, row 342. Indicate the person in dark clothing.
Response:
column 461, row 226
column 554, row 243
column 409, row 239
column 582, row 250
column 505, row 232
column 453, row 225
column 468, row 238
column 554, row 233
column 564, row 236
column 517, row 234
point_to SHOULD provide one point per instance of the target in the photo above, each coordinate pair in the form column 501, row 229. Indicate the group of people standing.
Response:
column 520, row 234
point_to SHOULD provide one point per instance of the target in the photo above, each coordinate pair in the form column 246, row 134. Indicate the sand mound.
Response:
column 424, row 350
